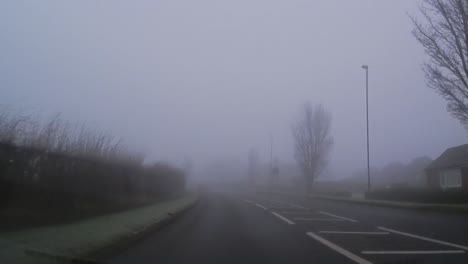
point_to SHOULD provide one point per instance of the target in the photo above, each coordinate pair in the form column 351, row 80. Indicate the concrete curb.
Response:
column 452, row 208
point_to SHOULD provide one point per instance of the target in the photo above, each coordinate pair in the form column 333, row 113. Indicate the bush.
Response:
column 53, row 166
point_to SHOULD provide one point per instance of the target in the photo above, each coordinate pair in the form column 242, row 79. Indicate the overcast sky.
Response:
column 210, row 79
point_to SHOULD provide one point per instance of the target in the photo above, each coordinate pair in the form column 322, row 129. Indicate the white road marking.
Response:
column 424, row 238
column 353, row 233
column 288, row 203
column 318, row 219
column 412, row 252
column 337, row 216
column 339, row 249
column 247, row 201
column 283, row 218
column 295, row 205
column 263, row 207
column 298, row 213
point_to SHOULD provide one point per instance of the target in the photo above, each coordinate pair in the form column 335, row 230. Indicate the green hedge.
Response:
column 68, row 185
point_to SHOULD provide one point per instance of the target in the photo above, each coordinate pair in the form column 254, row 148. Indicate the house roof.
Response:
column 452, row 157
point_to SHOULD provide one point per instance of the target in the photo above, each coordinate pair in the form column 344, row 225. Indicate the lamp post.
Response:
column 366, row 67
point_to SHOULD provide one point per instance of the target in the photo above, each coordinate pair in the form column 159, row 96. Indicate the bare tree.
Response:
column 444, row 36
column 253, row 166
column 312, row 141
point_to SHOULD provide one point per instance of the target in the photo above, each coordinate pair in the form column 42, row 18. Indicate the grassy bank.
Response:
column 85, row 237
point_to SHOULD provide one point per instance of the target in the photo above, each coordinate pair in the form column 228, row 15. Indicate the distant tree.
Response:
column 312, row 141
column 444, row 36
column 253, row 166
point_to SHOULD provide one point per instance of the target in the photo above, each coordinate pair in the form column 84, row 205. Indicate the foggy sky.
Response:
column 210, row 79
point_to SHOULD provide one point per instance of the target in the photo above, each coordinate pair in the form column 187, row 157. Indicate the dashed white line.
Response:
column 248, row 201
column 353, row 233
column 261, row 206
column 337, row 216
column 424, row 238
column 283, row 218
column 339, row 249
column 412, row 252
column 317, row 219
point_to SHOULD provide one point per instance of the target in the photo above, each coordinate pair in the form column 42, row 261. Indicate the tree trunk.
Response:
column 309, row 183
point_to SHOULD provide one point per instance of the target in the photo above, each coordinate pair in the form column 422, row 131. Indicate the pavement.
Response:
column 265, row 228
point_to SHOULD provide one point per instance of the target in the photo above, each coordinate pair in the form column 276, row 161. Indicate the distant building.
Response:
column 449, row 170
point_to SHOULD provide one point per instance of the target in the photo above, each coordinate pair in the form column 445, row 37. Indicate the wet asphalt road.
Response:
column 228, row 228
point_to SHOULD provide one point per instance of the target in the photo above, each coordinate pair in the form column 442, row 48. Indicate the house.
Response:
column 450, row 170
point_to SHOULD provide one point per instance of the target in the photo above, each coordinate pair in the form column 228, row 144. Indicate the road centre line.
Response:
column 424, row 238
column 412, row 252
column 337, row 216
column 338, row 249
column 261, row 206
column 353, row 233
column 318, row 219
column 283, row 218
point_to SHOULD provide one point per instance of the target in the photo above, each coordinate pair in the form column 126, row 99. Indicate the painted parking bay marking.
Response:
column 287, row 203
column 339, row 249
column 298, row 213
column 337, row 216
column 411, row 252
column 318, row 219
column 424, row 238
column 283, row 218
column 354, row 232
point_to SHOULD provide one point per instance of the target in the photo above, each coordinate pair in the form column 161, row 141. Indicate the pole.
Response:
column 367, row 122
column 271, row 151
column 271, row 164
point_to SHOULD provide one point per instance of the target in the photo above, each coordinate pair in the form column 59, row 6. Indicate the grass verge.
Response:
column 80, row 239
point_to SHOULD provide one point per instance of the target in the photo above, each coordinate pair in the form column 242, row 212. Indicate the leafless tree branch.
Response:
column 444, row 36
column 312, row 141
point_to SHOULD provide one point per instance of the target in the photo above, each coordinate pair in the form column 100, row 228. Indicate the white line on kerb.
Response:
column 339, row 249
column 283, row 218
column 317, row 219
column 412, row 252
column 337, row 216
column 353, row 233
column 424, row 238
column 263, row 207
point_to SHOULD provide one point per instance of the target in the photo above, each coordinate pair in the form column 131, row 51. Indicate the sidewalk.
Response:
column 82, row 238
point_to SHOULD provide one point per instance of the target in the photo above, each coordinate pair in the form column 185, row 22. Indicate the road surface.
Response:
column 228, row 228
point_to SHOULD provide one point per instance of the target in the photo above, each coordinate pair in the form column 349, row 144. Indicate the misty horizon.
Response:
column 207, row 82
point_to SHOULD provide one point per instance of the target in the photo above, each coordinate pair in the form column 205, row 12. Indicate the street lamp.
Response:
column 365, row 67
